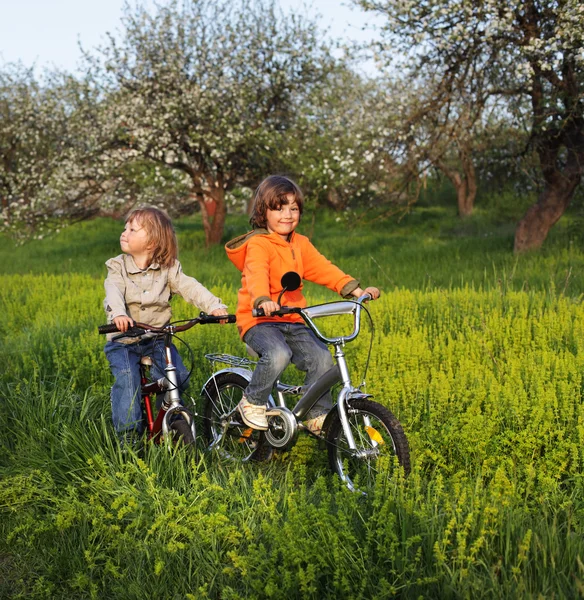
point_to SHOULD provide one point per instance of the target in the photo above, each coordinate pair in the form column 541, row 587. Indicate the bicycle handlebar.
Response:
column 328, row 309
column 288, row 310
column 141, row 328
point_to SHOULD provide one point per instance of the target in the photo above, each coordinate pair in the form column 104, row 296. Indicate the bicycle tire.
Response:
column 182, row 432
column 235, row 440
column 384, row 440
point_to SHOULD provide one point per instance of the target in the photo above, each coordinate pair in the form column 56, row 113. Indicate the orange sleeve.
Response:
column 319, row 269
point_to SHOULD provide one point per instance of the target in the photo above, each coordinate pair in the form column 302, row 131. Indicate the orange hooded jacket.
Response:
column 263, row 258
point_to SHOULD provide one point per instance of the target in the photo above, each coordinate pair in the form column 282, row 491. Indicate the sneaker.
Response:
column 253, row 415
column 315, row 425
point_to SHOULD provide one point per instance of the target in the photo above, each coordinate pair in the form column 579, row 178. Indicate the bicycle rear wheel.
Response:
column 223, row 428
column 379, row 439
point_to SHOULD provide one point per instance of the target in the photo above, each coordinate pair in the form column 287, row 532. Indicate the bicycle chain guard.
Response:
column 282, row 427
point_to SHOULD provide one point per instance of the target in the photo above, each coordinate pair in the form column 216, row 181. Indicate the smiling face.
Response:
column 135, row 239
column 285, row 219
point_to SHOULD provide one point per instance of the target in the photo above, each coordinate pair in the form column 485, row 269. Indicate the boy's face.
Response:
column 285, row 219
column 134, row 239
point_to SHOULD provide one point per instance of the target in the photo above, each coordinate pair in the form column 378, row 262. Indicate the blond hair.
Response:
column 271, row 194
column 160, row 233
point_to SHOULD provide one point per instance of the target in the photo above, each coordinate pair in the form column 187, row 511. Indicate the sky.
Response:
column 47, row 33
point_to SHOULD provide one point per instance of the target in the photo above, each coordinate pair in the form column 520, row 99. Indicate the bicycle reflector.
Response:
column 246, row 435
column 374, row 434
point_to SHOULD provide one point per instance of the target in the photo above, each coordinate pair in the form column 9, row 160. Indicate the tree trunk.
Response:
column 214, row 211
column 560, row 184
column 553, row 201
column 464, row 199
column 334, row 200
column 465, row 186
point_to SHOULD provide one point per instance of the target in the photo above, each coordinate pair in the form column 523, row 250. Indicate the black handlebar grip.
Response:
column 258, row 312
column 110, row 328
column 205, row 319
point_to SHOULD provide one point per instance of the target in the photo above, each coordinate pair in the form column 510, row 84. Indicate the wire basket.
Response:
column 228, row 359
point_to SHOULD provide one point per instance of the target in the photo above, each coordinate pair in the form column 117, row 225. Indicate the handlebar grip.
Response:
column 206, row 319
column 283, row 310
column 110, row 328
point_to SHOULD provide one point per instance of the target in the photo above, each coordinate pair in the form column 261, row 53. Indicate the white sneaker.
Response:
column 315, row 425
column 253, row 415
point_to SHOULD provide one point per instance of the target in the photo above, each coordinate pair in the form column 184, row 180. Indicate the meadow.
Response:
column 479, row 353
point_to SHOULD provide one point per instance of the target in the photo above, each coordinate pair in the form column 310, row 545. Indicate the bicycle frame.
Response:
column 167, row 385
column 338, row 373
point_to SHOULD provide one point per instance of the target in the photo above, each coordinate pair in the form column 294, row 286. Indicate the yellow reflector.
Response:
column 246, row 435
column 374, row 434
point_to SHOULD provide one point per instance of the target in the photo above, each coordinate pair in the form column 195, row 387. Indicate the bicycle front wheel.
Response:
column 223, row 428
column 182, row 432
column 379, row 440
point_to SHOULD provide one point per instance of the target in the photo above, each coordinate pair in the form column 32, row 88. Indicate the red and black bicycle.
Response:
column 173, row 420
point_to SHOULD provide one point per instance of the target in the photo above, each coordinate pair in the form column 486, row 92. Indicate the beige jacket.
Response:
column 144, row 295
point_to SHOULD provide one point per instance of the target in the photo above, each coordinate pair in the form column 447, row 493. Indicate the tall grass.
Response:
column 478, row 353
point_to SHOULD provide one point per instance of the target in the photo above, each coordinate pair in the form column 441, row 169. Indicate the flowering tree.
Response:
column 445, row 130
column 33, row 137
column 335, row 150
column 529, row 52
column 53, row 158
column 208, row 89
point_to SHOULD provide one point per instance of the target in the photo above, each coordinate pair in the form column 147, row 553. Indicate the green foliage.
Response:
column 483, row 368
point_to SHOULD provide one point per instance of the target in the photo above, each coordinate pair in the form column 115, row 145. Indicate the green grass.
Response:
column 428, row 248
column 478, row 352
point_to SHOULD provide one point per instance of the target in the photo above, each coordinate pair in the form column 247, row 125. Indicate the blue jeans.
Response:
column 278, row 344
column 124, row 362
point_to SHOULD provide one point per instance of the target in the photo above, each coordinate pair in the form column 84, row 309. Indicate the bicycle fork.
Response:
column 348, row 391
column 171, row 404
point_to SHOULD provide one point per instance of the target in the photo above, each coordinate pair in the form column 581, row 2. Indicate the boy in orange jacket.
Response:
column 263, row 256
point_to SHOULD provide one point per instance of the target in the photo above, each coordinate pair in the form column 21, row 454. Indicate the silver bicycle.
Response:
column 363, row 438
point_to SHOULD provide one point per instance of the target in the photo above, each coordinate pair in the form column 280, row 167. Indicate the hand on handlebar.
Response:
column 372, row 291
column 123, row 323
column 269, row 307
column 220, row 312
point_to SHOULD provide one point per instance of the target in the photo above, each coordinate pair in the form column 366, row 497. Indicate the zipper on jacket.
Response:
column 293, row 255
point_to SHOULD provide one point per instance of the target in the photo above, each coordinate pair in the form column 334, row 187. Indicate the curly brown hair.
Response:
column 160, row 233
column 271, row 194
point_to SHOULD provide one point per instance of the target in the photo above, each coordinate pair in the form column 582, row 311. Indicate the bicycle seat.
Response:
column 146, row 360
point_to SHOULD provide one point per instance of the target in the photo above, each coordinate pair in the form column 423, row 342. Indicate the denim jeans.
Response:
column 124, row 362
column 278, row 344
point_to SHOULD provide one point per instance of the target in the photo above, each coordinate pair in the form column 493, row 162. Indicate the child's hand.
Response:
column 269, row 307
column 220, row 312
column 372, row 291
column 123, row 323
